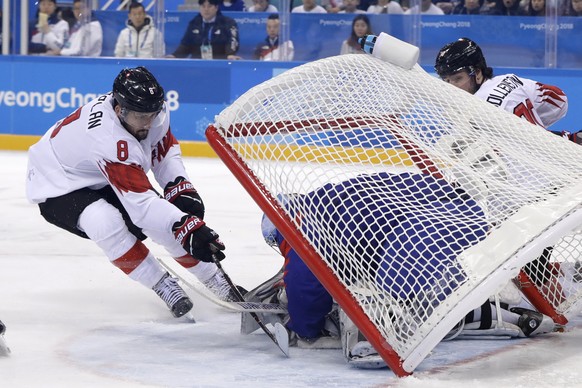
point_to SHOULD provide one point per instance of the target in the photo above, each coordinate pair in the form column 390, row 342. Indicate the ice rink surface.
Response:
column 74, row 320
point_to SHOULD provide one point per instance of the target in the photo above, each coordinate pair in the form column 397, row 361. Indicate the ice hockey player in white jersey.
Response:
column 88, row 176
column 462, row 64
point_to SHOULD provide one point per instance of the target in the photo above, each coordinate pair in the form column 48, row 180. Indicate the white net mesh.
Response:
column 411, row 191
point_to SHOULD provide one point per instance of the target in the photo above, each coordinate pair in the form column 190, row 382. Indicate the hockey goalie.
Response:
column 410, row 200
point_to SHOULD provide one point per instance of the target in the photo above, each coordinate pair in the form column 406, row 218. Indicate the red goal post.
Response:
column 410, row 200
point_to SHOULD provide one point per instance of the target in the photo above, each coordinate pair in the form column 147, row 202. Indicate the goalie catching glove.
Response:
column 182, row 194
column 198, row 239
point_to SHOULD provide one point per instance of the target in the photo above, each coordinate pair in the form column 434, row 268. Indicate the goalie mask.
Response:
column 138, row 90
column 460, row 55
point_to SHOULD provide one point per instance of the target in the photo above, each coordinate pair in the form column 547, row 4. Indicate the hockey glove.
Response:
column 184, row 196
column 198, row 239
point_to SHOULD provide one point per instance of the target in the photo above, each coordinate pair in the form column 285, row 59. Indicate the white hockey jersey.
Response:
column 536, row 102
column 90, row 148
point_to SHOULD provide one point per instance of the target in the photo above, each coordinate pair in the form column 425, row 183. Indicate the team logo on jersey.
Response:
column 152, row 90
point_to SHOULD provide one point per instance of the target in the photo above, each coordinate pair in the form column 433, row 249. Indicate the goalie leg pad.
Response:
column 270, row 291
column 364, row 356
column 249, row 325
column 358, row 352
column 499, row 330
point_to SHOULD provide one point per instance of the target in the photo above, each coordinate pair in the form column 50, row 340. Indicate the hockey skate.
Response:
column 270, row 291
column 170, row 292
column 532, row 322
column 4, row 349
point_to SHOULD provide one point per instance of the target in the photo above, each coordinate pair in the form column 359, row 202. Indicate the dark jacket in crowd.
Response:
column 222, row 35
column 501, row 9
column 461, row 9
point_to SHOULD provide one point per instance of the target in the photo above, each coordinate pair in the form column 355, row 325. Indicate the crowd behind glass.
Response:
column 68, row 28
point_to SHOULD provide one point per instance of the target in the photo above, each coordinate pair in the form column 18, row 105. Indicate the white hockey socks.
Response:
column 148, row 272
column 204, row 271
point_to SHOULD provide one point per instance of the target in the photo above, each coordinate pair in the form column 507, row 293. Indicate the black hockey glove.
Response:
column 184, row 196
column 198, row 239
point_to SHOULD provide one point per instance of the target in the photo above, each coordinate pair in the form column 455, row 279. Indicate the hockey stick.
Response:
column 240, row 307
column 281, row 341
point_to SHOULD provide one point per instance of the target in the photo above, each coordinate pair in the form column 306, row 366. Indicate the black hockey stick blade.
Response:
column 284, row 349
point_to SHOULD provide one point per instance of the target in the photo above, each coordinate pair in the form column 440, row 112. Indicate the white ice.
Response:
column 74, row 320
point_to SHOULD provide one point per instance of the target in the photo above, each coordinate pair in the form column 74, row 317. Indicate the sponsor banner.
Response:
column 35, row 92
column 43, row 90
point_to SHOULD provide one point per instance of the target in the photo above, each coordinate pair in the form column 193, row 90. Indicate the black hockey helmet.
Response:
column 459, row 55
column 138, row 90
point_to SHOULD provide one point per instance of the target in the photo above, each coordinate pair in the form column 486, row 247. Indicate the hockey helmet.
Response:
column 459, row 55
column 138, row 90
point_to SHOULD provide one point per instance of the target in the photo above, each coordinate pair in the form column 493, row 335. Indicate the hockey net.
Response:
column 411, row 200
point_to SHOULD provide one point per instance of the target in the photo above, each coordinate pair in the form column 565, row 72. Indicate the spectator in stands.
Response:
column 309, row 6
column 125, row 4
column 210, row 35
column 262, row 6
column 351, row 6
column 232, row 5
column 386, row 6
column 48, row 31
column 507, row 8
column 365, row 4
column 470, row 7
column 574, row 8
column 86, row 37
column 140, row 39
column 360, row 27
column 269, row 50
column 333, row 6
column 426, row 8
column 447, row 5
column 536, row 8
